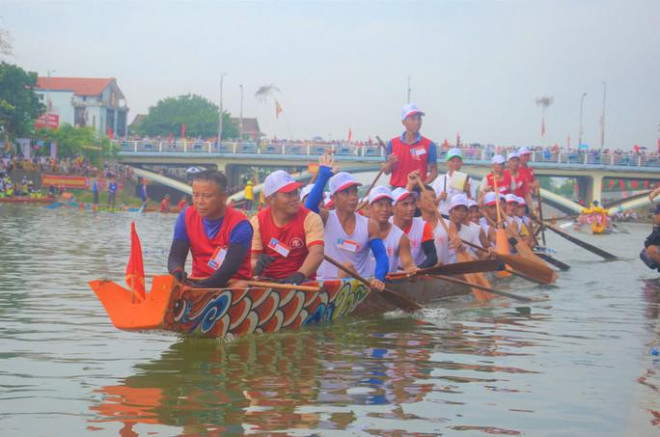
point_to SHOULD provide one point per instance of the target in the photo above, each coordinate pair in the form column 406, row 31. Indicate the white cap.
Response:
column 524, row 151
column 521, row 201
column 513, row 154
column 498, row 159
column 380, row 192
column 455, row 152
column 341, row 181
column 490, row 198
column 305, row 191
column 511, row 198
column 327, row 200
column 458, row 200
column 410, row 109
column 279, row 181
column 472, row 202
column 401, row 193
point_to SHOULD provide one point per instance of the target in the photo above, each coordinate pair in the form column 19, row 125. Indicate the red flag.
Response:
column 135, row 267
column 110, row 134
column 171, row 136
column 278, row 109
column 350, row 135
column 543, row 127
column 183, row 130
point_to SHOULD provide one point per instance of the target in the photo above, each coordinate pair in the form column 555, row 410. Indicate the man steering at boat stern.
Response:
column 651, row 252
column 288, row 238
column 411, row 151
column 349, row 235
column 218, row 236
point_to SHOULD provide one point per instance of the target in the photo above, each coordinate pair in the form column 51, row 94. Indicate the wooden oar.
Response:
column 279, row 286
column 488, row 289
column 459, row 268
column 583, row 244
column 540, row 202
column 554, row 261
column 373, row 184
column 397, row 300
column 520, row 264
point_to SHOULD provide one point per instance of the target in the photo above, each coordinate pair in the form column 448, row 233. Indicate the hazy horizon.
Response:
column 476, row 67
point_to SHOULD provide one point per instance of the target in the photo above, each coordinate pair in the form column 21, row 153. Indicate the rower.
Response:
column 287, row 245
column 499, row 175
column 419, row 232
column 650, row 255
column 518, row 178
column 349, row 235
column 397, row 244
column 489, row 210
column 458, row 213
column 532, row 183
column 411, row 151
column 428, row 206
column 218, row 236
column 474, row 219
column 445, row 186
column 165, row 204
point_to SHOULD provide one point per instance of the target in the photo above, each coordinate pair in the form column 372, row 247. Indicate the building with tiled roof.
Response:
column 250, row 128
column 95, row 102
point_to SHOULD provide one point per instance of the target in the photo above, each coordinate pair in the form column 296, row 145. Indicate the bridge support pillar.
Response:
column 590, row 188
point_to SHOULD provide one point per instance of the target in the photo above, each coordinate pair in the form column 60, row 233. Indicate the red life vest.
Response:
column 503, row 184
column 411, row 157
column 203, row 248
column 287, row 244
column 520, row 183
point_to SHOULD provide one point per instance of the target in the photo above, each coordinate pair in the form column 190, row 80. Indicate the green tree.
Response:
column 72, row 141
column 198, row 114
column 19, row 104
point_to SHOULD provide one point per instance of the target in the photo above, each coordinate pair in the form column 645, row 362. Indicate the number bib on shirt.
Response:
column 217, row 258
column 348, row 245
column 278, row 247
column 417, row 152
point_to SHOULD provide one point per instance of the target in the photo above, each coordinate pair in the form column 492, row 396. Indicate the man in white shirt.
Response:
column 453, row 182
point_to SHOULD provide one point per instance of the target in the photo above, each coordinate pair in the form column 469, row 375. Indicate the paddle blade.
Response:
column 502, row 246
column 461, row 268
column 475, row 278
column 402, row 302
column 538, row 271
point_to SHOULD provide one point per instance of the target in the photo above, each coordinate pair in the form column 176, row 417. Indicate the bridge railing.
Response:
column 372, row 152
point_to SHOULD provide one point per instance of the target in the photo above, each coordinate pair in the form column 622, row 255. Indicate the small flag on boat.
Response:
column 110, row 134
column 278, row 109
column 183, row 130
column 135, row 267
column 350, row 135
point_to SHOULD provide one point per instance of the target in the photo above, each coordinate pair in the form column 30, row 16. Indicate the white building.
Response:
column 95, row 102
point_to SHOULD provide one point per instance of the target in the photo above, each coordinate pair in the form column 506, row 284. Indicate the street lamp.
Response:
column 240, row 117
column 48, row 105
column 581, row 107
column 222, row 75
column 602, row 119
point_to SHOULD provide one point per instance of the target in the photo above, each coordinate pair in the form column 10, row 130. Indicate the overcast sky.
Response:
column 476, row 67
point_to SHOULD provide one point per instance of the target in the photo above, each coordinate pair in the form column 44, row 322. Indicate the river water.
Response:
column 577, row 363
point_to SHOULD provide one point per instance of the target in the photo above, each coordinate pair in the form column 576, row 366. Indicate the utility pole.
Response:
column 581, row 107
column 222, row 75
column 48, row 104
column 602, row 119
column 409, row 90
column 240, row 118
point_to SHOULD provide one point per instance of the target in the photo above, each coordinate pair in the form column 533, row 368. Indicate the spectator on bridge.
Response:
column 411, row 151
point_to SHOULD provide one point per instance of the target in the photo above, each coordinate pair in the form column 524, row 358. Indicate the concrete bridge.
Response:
column 590, row 169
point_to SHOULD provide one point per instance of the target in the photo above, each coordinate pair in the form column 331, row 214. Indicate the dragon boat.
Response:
column 227, row 312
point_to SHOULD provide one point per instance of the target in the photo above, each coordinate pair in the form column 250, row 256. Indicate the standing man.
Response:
column 444, row 189
column 143, row 192
column 411, row 151
column 95, row 191
column 525, row 155
column 218, row 236
column 112, row 192
column 498, row 177
column 288, row 238
column 248, row 194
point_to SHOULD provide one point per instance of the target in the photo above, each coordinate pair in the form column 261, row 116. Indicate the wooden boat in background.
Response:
column 221, row 313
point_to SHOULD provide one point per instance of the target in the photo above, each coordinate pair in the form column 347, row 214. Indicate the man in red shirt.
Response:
column 411, row 151
column 218, row 236
column 518, row 178
column 288, row 238
column 499, row 176
column 533, row 183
